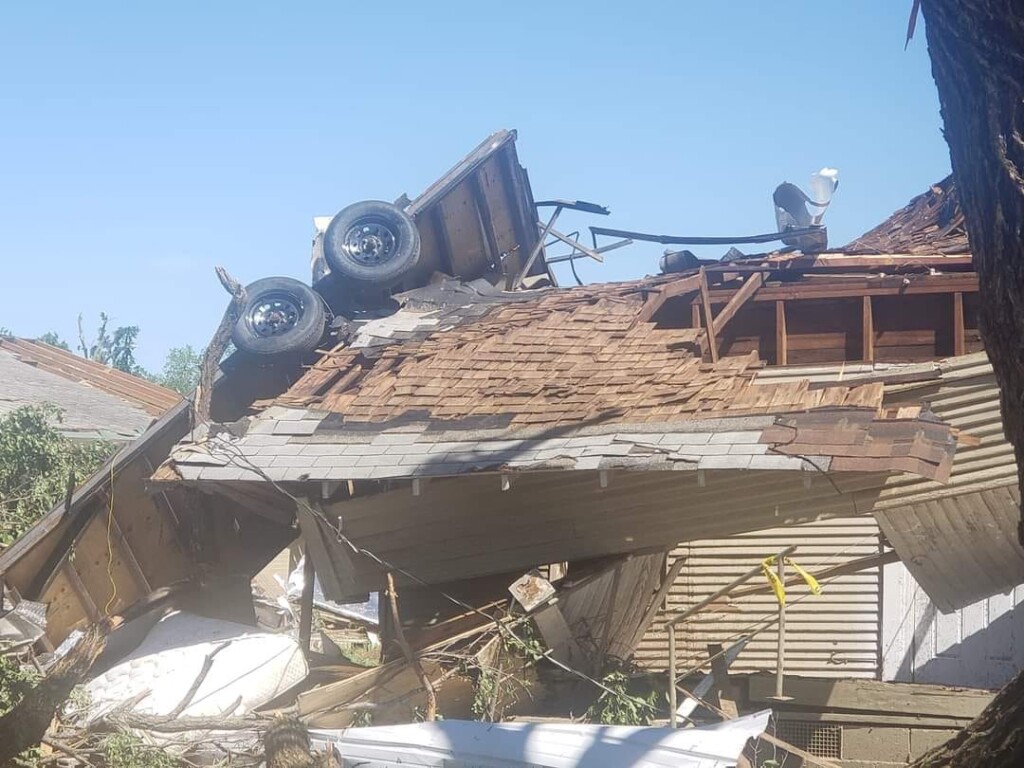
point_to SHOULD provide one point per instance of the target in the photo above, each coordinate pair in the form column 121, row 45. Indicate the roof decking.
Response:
column 930, row 223
column 571, row 379
column 99, row 402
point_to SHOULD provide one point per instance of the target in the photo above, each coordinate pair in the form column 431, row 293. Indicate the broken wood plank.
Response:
column 664, row 293
column 659, row 600
column 709, row 320
column 410, row 656
column 738, row 300
column 873, row 696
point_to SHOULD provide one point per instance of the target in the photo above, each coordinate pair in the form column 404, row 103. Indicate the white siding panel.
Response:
column 835, row 634
column 978, row 646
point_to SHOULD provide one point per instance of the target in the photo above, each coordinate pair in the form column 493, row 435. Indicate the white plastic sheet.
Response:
column 463, row 744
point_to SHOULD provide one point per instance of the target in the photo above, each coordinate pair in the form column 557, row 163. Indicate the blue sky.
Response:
column 142, row 146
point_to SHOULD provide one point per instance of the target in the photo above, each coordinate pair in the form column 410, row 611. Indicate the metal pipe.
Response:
column 536, row 249
column 680, row 617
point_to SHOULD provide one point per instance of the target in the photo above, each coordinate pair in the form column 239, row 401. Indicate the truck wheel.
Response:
column 373, row 242
column 280, row 316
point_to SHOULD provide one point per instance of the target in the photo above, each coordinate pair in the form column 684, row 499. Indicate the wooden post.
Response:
column 867, row 331
column 959, row 345
column 672, row 675
column 781, row 342
column 306, row 605
column 780, row 651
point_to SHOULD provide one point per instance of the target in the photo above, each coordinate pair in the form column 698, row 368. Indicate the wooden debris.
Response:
column 218, row 344
column 410, row 656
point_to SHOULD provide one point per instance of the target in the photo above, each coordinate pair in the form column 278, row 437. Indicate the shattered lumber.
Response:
column 410, row 656
column 218, row 344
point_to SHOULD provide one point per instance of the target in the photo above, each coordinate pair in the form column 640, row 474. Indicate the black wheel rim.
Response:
column 273, row 314
column 370, row 241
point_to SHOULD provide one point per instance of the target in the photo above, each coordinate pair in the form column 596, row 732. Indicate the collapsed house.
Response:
column 654, row 439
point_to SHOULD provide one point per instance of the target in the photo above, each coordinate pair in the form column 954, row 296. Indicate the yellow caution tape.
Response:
column 768, row 568
column 811, row 581
column 773, row 579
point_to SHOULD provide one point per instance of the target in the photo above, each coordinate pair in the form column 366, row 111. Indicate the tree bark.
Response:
column 977, row 54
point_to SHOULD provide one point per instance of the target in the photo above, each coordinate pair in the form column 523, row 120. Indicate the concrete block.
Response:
column 879, row 743
column 923, row 739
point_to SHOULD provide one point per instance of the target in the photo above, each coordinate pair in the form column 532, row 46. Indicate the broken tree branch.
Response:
column 407, row 651
column 218, row 344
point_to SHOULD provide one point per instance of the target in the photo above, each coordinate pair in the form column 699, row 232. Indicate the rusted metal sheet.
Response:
column 835, row 634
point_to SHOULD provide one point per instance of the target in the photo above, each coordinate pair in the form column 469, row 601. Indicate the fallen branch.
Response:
column 411, row 657
column 168, row 724
column 218, row 344
column 190, row 694
column 25, row 725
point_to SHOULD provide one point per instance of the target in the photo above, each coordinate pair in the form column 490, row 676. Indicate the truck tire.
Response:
column 281, row 316
column 372, row 242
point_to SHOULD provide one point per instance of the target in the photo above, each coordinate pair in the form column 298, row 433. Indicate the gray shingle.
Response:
column 732, row 438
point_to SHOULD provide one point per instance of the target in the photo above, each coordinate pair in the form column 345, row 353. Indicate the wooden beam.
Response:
column 867, row 331
column 850, row 287
column 709, row 320
column 844, row 569
column 781, row 340
column 306, row 605
column 129, row 555
column 80, row 590
column 664, row 293
column 959, row 345
column 745, row 293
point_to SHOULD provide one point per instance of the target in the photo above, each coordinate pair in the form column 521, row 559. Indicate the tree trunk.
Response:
column 977, row 53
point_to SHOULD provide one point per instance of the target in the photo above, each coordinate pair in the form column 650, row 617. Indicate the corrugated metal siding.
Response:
column 967, row 526
column 835, row 634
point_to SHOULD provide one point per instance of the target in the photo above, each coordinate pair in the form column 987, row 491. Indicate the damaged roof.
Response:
column 931, row 223
column 99, row 402
column 567, row 379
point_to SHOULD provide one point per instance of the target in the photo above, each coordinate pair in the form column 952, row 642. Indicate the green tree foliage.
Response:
column 54, row 340
column 116, row 349
column 181, row 369
column 36, row 461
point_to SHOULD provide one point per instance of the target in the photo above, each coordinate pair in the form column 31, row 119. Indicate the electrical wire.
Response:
column 239, row 459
